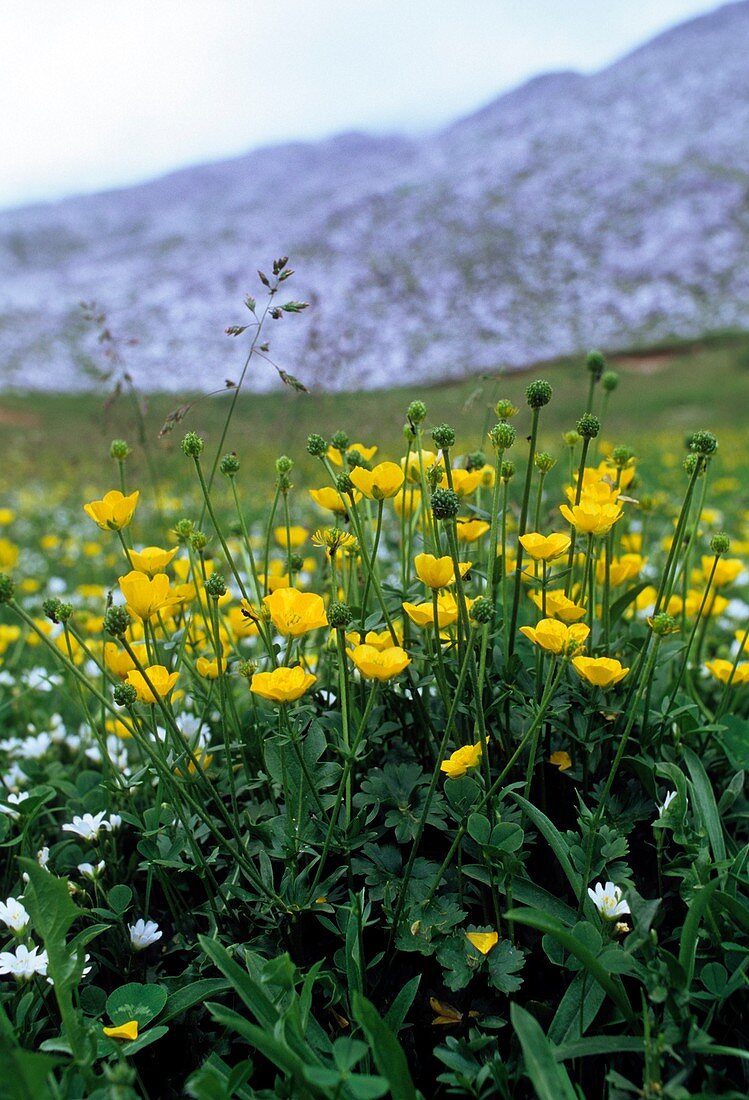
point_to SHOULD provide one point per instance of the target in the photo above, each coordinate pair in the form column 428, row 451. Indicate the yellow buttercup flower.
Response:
column 114, row 511
column 151, row 559
column 241, row 625
column 294, row 612
column 367, row 453
column 380, row 483
column 160, row 677
column 412, row 469
column 333, row 539
column 558, row 606
column 469, row 530
column 458, row 763
column 207, row 668
column 7, row 515
column 331, row 500
column 119, row 662
column 379, row 639
column 8, row 635
column 592, row 518
column 715, row 605
column 145, row 595
column 726, row 570
column 556, row 637
column 596, row 487
column 408, row 501
column 545, row 547
column 721, row 670
column 379, row 664
column 622, row 569
column 123, row 1031
column 282, row 685
column 561, row 760
column 438, row 572
column 601, row 672
column 8, row 554
column 483, row 941
column 297, row 536
column 465, row 482
column 422, row 614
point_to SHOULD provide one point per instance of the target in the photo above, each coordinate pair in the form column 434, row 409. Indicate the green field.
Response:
column 665, row 390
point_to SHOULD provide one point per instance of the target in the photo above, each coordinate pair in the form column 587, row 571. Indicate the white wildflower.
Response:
column 143, row 933
column 608, row 900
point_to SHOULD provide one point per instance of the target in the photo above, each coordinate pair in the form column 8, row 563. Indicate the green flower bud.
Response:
column 622, row 456
column 443, row 436
column 7, row 588
column 609, row 380
column 297, row 562
column 507, row 470
column 344, row 484
column 692, row 462
column 246, row 669
column 119, row 449
column 284, row 464
column 198, row 541
column 434, row 475
column 316, row 445
column 502, row 436
column 663, row 623
column 339, row 615
column 417, row 412
column 340, row 441
column 538, row 394
column 215, row 586
column 475, row 460
column 183, row 528
column 505, row 409
column 116, row 621
column 595, row 363
column 571, row 439
column 703, row 443
column 445, row 504
column 57, row 611
column 284, row 483
column 229, row 465
column 588, row 426
column 544, row 462
column 124, row 695
column 354, row 458
column 720, row 543
column 192, row 445
column 482, row 610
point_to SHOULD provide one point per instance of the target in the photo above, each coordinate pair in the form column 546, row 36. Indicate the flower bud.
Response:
column 417, row 412
column 340, row 441
column 124, row 695
column 443, row 436
column 475, row 460
column 692, row 462
column 663, row 623
column 215, row 586
column 183, row 528
column 116, row 621
column 720, row 543
column 621, row 456
column 571, row 439
column 505, row 409
column 284, row 483
column 297, row 562
column 445, row 504
column 198, row 541
column 482, row 610
column 246, row 669
column 57, row 611
column 344, row 484
column 544, row 462
column 284, row 464
column 596, row 364
column 119, row 449
column 588, row 426
column 339, row 615
column 538, row 394
column 703, row 443
column 316, row 445
column 192, row 445
column 229, row 465
column 502, row 436
column 609, row 380
column 507, row 470
column 7, row 588
column 354, row 459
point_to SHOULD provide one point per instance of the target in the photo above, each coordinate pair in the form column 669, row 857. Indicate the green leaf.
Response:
column 566, row 1023
column 599, row 1044
column 612, row 985
column 25, row 1073
column 554, row 838
column 503, row 963
column 399, row 1009
column 734, row 740
column 690, row 932
column 550, row 1080
column 620, row 605
column 136, row 1002
column 386, row 1050
column 189, row 995
column 705, row 802
column 119, row 898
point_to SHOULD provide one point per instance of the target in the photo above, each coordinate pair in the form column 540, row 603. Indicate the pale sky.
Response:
column 102, row 93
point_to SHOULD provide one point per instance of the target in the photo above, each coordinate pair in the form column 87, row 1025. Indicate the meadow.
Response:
column 393, row 744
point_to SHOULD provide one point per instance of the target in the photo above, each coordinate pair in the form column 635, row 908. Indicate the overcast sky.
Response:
column 101, row 93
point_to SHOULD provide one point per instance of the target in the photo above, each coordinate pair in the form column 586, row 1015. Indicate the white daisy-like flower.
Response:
column 143, row 933
column 88, row 826
column 91, row 870
column 608, row 900
column 666, row 803
column 114, row 822
column 22, row 963
column 13, row 915
column 13, row 801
